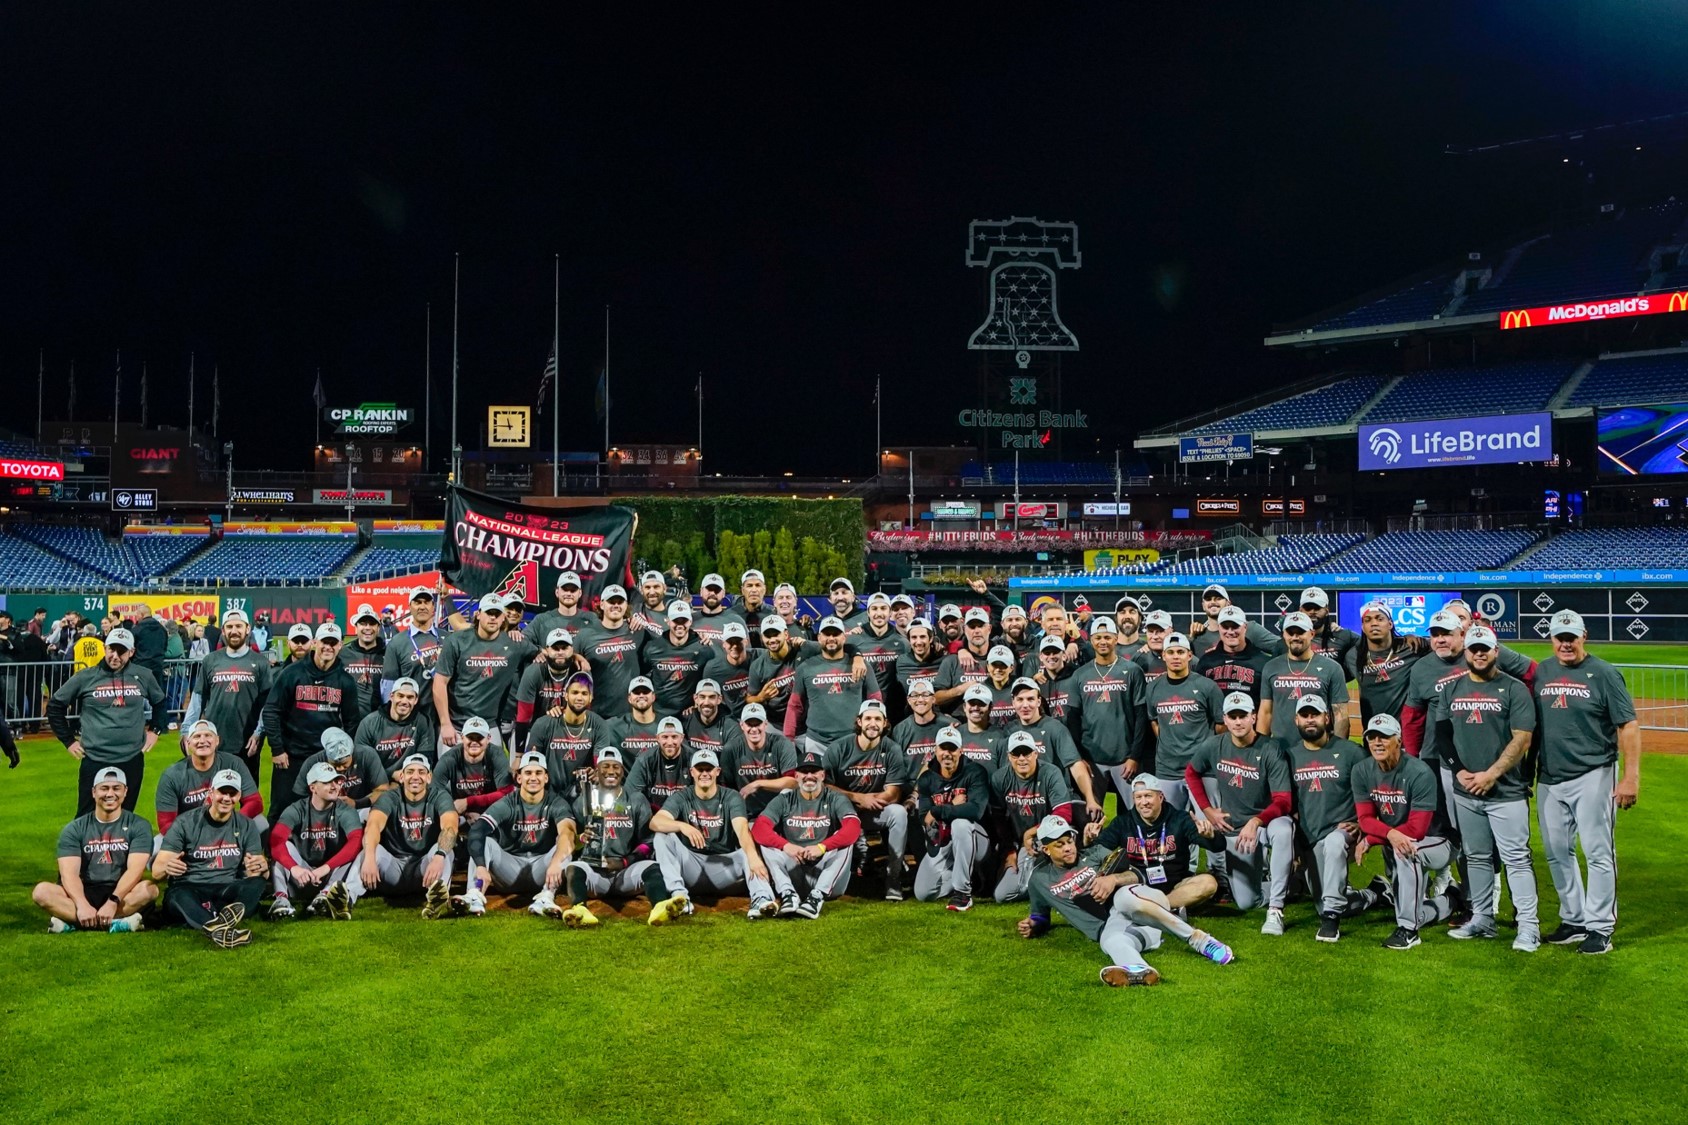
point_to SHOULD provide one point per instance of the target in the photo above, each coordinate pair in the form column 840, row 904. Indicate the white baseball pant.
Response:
column 1488, row 826
column 1583, row 811
column 683, row 869
column 827, row 876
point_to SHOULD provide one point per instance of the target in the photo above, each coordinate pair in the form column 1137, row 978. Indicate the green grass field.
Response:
column 873, row 1012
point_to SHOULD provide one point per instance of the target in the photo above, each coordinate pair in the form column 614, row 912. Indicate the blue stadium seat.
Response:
column 382, row 562
column 1605, row 259
column 1627, row 548
column 157, row 555
column 1435, row 550
column 26, row 566
column 265, row 558
column 87, row 546
column 1416, row 302
column 1459, row 391
column 1330, row 405
column 1294, row 554
column 1622, row 381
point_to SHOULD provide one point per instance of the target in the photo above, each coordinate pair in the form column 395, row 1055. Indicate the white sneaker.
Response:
column 1273, row 926
column 545, row 905
column 1439, row 885
column 59, row 926
column 1478, row 927
column 1528, row 939
column 471, row 901
column 129, row 925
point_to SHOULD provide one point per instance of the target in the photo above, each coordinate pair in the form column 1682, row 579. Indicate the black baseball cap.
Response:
column 811, row 762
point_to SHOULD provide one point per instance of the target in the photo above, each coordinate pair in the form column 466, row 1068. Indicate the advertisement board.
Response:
column 1219, row 508
column 1490, row 440
column 1007, row 510
column 1643, row 440
column 1107, row 508
column 370, row 419
column 1215, row 447
column 382, row 497
column 15, row 468
column 167, row 607
column 1276, row 507
column 263, row 496
column 1411, row 609
column 1120, row 556
column 1580, row 311
column 955, row 509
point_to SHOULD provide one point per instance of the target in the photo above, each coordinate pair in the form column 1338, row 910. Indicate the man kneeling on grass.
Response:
column 1115, row 911
column 214, row 859
column 102, row 865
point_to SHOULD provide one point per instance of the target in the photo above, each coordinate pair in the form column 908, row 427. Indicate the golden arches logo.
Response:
column 1516, row 318
column 1678, row 302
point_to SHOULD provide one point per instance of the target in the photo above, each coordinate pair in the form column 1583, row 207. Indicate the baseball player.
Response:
column 1025, row 791
column 472, row 774
column 515, row 844
column 1108, row 711
column 842, row 594
column 1384, row 663
column 1300, row 671
column 1157, row 626
column 362, row 776
column 569, row 614
column 714, row 614
column 570, row 737
column 544, row 684
column 607, row 833
column 1235, row 663
column 102, row 858
column 409, row 839
column 314, row 847
column 1159, row 843
column 710, row 727
column 1240, row 783
column 766, row 762
column 1204, row 630
column 1053, row 741
column 923, row 658
column 634, row 733
column 365, row 657
column 478, row 672
column 1395, row 803
column 651, row 614
column 807, row 836
column 869, row 770
column 902, row 613
column 981, row 739
column 1053, row 672
column 1119, row 914
column 1015, row 634
column 826, row 692
column 674, row 660
column 703, row 838
column 1340, row 644
column 229, row 689
column 918, row 733
column 729, row 666
column 1482, row 726
column 186, row 782
column 1321, row 767
column 612, row 646
column 1000, row 668
column 967, row 664
column 952, row 801
column 111, row 700
column 1590, row 765
column 399, row 729
column 414, row 651
column 309, row 696
column 214, row 859
column 1185, row 711
column 1128, row 619
column 658, row 776
column 880, row 644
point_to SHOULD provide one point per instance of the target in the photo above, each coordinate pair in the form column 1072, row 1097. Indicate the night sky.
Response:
column 777, row 200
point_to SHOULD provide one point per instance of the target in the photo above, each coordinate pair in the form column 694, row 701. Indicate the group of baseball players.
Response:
column 655, row 748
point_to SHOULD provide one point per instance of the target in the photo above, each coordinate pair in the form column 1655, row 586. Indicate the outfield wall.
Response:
column 1616, row 605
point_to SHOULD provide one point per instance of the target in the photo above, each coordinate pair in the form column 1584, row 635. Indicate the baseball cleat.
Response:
column 1528, row 939
column 131, row 924
column 810, row 907
column 59, row 926
column 762, row 908
column 437, row 903
column 229, row 938
column 470, row 901
column 1119, row 976
column 1566, row 934
column 227, row 918
column 960, row 903
column 669, row 910
column 1443, row 880
column 317, row 907
column 1476, row 928
column 788, row 903
column 281, row 910
column 1273, row 926
column 1402, row 938
column 545, row 906
column 1330, row 929
column 577, row 917
column 338, row 901
column 1211, row 948
column 1595, row 944
column 893, row 891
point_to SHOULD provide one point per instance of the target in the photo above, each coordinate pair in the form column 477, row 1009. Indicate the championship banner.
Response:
column 166, row 607
column 494, row 546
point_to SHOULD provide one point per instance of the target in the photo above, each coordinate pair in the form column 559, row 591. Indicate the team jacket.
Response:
column 307, row 700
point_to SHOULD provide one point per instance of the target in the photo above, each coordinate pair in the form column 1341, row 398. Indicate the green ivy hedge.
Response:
column 807, row 543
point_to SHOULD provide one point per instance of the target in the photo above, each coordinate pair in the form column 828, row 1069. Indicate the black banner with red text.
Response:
column 495, row 546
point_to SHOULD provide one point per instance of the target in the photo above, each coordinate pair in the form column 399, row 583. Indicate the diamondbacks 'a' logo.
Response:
column 521, row 582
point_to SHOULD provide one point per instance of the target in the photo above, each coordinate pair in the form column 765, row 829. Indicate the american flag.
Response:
column 550, row 375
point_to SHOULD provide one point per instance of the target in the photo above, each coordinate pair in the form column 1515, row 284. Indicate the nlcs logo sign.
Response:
column 1386, row 444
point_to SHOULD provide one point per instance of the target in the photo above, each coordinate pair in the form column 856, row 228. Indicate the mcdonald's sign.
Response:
column 1581, row 311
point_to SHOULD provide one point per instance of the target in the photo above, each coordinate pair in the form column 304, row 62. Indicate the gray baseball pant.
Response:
column 1217, row 858
column 1330, row 856
column 1410, row 877
column 1263, row 874
column 1124, row 940
column 285, row 886
column 398, row 873
column 893, row 821
column 523, row 874
column 1488, row 826
column 629, row 882
column 827, row 876
column 1582, row 810
column 683, row 868
column 950, row 871
column 1015, row 883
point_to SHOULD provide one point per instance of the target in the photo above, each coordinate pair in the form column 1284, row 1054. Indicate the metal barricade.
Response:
column 26, row 686
column 1660, row 692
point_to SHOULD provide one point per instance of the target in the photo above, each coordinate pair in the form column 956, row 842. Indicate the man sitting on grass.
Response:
column 214, row 859
column 1115, row 911
column 314, row 845
column 102, row 865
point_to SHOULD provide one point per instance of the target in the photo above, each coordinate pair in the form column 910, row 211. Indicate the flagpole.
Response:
column 455, row 262
column 40, row 391
column 116, row 396
column 71, row 406
column 700, row 421
column 427, row 383
column 216, row 396
column 143, row 394
column 556, row 337
column 316, row 405
column 878, row 428
column 606, row 456
column 190, row 400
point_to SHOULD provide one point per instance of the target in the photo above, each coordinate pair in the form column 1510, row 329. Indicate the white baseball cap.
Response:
column 419, row 592
column 1565, row 623
column 1001, row 654
column 336, row 744
column 1297, row 620
column 1216, row 588
column 202, row 724
column 1376, row 606
column 1021, row 738
column 1176, row 640
column 679, row 611
column 707, row 685
column 752, row 573
column 328, row 631
column 948, row 609
column 1239, row 701
column 1313, row 703
column 1445, row 619
column 233, row 615
column 1312, row 595
column 1146, row 781
column 714, row 581
column 704, row 757
column 299, row 632
column 405, row 683
column 976, row 693
column 474, row 724
column 920, row 687
column 366, row 610
column 416, row 760
column 877, row 599
column 830, row 624
column 670, row 723
column 1013, row 611
column 1052, row 828
column 902, row 599
column 1104, row 625
column 612, row 592
column 226, row 779
column 841, row 583
column 772, row 623
column 949, row 736
column 652, row 576
column 638, row 682
column 1052, row 643
column 734, row 631
column 1385, row 725
column 608, row 754
column 977, row 615
column 1157, row 619
column 122, row 636
column 1481, row 636
column 1232, row 615
column 753, row 713
column 1024, row 683
column 534, row 758
column 321, row 774
column 785, row 588
column 112, row 773
column 568, row 579
column 493, row 602
column 871, row 707
column 558, row 636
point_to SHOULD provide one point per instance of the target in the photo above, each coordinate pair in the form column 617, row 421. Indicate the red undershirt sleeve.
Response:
column 848, row 833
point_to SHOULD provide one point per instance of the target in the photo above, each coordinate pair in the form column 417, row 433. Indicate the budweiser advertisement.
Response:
column 494, row 546
column 12, row 468
column 1578, row 311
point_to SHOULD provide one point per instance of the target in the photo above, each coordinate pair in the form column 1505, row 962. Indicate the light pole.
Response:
column 228, row 458
column 351, row 503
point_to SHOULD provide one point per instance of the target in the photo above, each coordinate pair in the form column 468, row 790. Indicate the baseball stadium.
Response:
column 400, row 748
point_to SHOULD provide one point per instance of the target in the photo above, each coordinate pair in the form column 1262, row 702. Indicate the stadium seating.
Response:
column 1460, row 391
column 1294, row 554
column 1416, row 302
column 27, row 565
column 157, row 555
column 1330, row 405
column 85, row 545
column 255, row 559
column 1622, row 381
column 1605, row 259
column 384, row 562
column 1050, row 472
column 1628, row 548
column 1435, row 550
